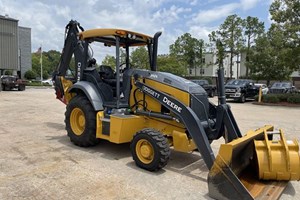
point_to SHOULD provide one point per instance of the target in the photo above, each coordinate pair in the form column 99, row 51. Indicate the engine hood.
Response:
column 172, row 80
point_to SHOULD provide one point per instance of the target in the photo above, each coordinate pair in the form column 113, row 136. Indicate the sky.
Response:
column 47, row 19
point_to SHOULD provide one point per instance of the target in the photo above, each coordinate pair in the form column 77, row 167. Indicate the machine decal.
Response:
column 171, row 104
column 151, row 92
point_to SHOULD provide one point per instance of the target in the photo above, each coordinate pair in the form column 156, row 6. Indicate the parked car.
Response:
column 9, row 82
column 240, row 89
column 48, row 81
column 210, row 89
column 264, row 87
column 282, row 87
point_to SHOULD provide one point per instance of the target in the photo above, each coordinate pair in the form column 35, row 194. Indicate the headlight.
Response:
column 238, row 89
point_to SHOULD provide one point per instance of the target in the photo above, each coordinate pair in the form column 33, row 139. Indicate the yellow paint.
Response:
column 109, row 34
column 122, row 129
column 77, row 121
column 278, row 159
column 144, row 151
column 67, row 84
column 226, row 150
column 259, row 94
column 154, row 105
column 182, row 143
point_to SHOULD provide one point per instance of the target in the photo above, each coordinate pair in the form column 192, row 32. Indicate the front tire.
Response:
column 80, row 120
column 211, row 93
column 21, row 87
column 150, row 149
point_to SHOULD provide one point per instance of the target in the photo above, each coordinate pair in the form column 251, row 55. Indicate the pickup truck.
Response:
column 210, row 89
column 240, row 89
column 282, row 87
column 9, row 82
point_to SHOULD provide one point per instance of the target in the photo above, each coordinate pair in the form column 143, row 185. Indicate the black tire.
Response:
column 159, row 149
column 6, row 88
column 80, row 120
column 21, row 87
column 242, row 98
column 211, row 93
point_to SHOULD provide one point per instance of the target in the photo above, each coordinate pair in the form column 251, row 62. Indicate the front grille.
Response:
column 229, row 90
column 276, row 91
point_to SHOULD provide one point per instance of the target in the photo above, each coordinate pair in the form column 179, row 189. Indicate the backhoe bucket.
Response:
column 241, row 165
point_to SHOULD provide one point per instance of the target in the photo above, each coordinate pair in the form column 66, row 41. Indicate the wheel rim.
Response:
column 144, row 151
column 77, row 121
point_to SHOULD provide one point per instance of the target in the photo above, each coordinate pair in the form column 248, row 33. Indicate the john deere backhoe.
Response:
column 156, row 111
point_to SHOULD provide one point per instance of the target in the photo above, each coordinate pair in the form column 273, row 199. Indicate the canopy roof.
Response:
column 108, row 36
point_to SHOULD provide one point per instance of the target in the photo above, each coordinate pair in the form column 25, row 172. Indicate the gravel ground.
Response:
column 39, row 162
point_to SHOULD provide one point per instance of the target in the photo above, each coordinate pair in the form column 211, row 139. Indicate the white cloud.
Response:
column 173, row 17
column 207, row 16
column 201, row 32
column 193, row 2
column 248, row 4
column 170, row 15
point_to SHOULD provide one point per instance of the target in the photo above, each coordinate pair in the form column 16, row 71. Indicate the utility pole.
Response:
column 41, row 61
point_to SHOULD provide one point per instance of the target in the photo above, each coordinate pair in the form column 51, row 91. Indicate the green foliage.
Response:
column 277, row 98
column 188, row 51
column 140, row 58
column 230, row 37
column 285, row 13
column 270, row 98
column 49, row 62
column 8, row 72
column 170, row 64
column 253, row 29
column 30, row 74
column 294, row 99
column 267, row 61
column 109, row 61
column 36, row 83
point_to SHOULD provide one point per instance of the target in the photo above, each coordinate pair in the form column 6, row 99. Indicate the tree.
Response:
column 230, row 35
column 30, row 74
column 109, row 61
column 49, row 60
column 253, row 29
column 188, row 51
column 167, row 63
column 267, row 60
column 286, row 15
column 140, row 58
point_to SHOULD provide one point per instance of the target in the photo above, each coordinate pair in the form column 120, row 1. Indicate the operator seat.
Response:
column 107, row 74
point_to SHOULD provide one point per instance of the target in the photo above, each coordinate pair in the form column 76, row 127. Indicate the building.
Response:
column 15, row 47
column 210, row 66
column 25, row 60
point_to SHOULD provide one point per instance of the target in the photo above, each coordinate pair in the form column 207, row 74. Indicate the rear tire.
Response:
column 80, row 120
column 150, row 149
column 242, row 98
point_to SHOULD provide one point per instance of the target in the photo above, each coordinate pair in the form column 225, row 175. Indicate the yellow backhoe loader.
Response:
column 156, row 111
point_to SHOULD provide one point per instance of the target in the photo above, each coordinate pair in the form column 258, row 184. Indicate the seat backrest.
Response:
column 126, row 85
column 106, row 92
column 106, row 72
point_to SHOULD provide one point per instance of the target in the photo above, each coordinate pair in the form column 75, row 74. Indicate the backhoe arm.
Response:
column 71, row 40
column 72, row 46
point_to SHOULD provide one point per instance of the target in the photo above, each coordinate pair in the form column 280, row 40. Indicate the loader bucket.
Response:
column 239, row 167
